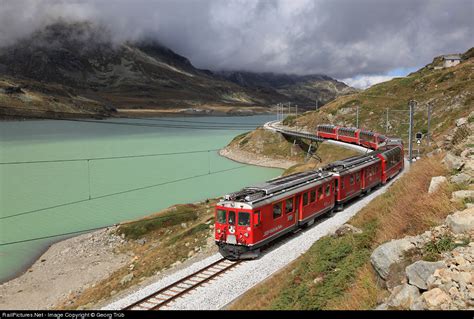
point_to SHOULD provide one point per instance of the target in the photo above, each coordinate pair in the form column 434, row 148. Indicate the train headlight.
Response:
column 218, row 231
column 246, row 235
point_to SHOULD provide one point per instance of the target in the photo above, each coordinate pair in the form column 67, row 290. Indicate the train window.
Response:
column 221, row 216
column 305, row 199
column 358, row 177
column 312, row 195
column 351, row 180
column 328, row 189
column 320, row 192
column 231, row 218
column 256, row 218
column 277, row 210
column 244, row 219
column 289, row 205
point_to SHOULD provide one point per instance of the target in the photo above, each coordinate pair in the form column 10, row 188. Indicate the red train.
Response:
column 255, row 216
column 351, row 135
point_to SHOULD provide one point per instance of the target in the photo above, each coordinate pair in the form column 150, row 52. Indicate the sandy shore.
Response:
column 66, row 268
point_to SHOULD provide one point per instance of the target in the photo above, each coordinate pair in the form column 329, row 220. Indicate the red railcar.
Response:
column 355, row 176
column 392, row 162
column 348, row 134
column 249, row 219
column 371, row 139
column 327, row 131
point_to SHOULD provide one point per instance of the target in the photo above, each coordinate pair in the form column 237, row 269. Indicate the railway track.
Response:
column 167, row 294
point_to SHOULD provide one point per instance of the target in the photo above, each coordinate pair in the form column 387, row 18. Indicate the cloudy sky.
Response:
column 361, row 42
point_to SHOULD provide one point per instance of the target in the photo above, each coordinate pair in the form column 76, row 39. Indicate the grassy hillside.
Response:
column 336, row 272
column 450, row 92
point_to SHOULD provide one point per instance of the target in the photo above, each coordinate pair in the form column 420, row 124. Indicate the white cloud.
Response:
column 366, row 81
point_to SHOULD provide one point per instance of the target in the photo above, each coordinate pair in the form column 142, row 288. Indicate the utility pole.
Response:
column 429, row 121
column 317, row 104
column 386, row 124
column 296, row 110
column 412, row 104
column 357, row 116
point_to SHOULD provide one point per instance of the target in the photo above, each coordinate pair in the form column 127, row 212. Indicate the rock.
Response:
column 183, row 225
column 463, row 195
column 382, row 306
column 346, row 229
column 126, row 279
column 462, row 121
column 460, row 179
column 453, row 162
column 141, row 241
column 388, row 254
column 419, row 272
column 418, row 304
column 461, row 222
column 403, row 296
column 435, row 298
column 436, row 182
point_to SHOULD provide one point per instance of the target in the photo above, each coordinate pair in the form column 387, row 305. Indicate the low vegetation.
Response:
column 336, row 272
column 154, row 244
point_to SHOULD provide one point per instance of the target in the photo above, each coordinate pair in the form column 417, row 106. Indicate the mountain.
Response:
column 302, row 89
column 76, row 67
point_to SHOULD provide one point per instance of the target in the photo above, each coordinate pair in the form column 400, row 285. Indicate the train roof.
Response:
column 277, row 187
column 353, row 163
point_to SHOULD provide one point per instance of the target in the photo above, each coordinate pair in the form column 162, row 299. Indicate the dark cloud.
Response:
column 340, row 38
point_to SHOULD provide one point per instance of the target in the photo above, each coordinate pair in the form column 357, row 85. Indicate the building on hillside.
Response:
column 451, row 60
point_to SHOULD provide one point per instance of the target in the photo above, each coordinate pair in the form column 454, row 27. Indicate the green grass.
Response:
column 190, row 232
column 140, row 228
column 432, row 250
column 335, row 261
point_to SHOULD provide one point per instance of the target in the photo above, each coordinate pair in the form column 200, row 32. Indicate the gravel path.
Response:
column 222, row 291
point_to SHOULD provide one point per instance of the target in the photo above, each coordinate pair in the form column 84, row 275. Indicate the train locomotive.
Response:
column 247, row 220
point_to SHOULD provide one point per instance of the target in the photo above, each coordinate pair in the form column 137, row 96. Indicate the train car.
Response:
column 327, row 131
column 370, row 139
column 355, row 176
column 348, row 134
column 253, row 217
column 392, row 162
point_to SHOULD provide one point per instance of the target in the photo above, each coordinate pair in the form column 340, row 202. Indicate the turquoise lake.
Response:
column 92, row 193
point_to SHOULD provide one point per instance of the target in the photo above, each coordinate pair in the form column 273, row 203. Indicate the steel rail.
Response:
column 167, row 294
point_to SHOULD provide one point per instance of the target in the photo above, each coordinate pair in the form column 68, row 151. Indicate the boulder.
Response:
column 387, row 254
column 461, row 222
column 460, row 179
column 419, row 272
column 418, row 304
column 463, row 195
column 346, row 229
column 436, row 182
column 462, row 121
column 126, row 279
column 453, row 162
column 435, row 298
column 403, row 296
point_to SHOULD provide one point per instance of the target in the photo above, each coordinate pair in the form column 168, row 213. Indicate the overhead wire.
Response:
column 119, row 193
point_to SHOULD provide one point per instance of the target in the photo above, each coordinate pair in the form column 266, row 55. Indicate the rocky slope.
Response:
column 304, row 90
column 434, row 270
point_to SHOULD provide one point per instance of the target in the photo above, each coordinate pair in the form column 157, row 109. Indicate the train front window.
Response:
column 289, row 205
column 277, row 210
column 221, row 216
column 231, row 218
column 244, row 219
